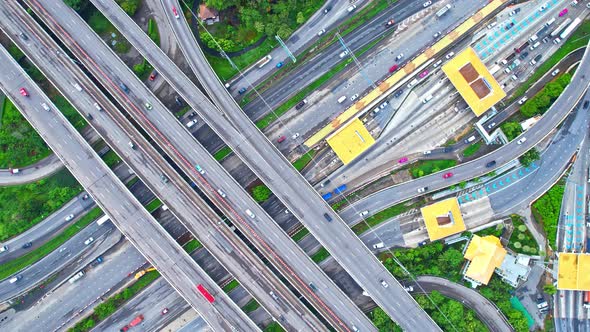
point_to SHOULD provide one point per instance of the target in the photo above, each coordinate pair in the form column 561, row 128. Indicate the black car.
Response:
column 242, row 91
column 491, row 164
column 27, row 245
column 85, row 197
column 586, row 103
column 398, row 93
column 327, row 216
column 301, row 104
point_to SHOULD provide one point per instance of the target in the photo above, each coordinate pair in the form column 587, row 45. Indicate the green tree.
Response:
column 511, row 129
column 462, row 184
column 451, row 258
column 129, row 6
column 88, row 324
column 76, row 5
column 300, row 18
column 259, row 26
column 383, row 322
column 549, row 289
column 261, row 193
column 528, row 157
column 221, row 4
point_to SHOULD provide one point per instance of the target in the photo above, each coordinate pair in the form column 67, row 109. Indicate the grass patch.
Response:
column 69, row 112
column 113, row 303
column 471, row 150
column 274, row 327
column 300, row 234
column 9, row 268
column 20, row 145
column 111, row 158
column 131, row 182
column 320, row 255
column 546, row 211
column 153, row 31
column 105, row 29
column 251, row 306
column 225, row 71
column 384, row 215
column 300, row 163
column 23, row 206
column 521, row 240
column 230, row 286
column 578, row 39
column 192, row 245
column 142, row 69
column 153, row 205
column 222, row 153
column 426, row 167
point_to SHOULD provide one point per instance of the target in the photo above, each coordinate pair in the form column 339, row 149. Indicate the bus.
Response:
column 205, row 293
column 560, row 27
column 262, row 62
column 570, row 28
column 102, row 220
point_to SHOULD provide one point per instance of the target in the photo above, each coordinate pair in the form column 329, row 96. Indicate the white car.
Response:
column 522, row 100
column 295, row 136
column 364, row 213
column 399, row 57
column 382, row 106
column 450, row 55
column 409, row 289
column 69, row 217
column 354, row 97
column 384, row 284
column 555, row 72
column 423, row 189
column 191, row 123
column 427, row 3
column 522, row 140
column 321, row 32
column 221, row 193
column 3, row 248
column 89, row 240
column 426, row 152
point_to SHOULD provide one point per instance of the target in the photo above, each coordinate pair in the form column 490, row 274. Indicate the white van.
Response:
column 378, row 245
column 556, row 41
column 470, row 139
column 427, row 99
column 15, row 279
column 341, row 99
column 535, row 45
column 411, row 84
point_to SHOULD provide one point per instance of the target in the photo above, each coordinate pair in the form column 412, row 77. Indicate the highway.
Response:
column 112, row 196
column 182, row 200
column 303, row 271
column 562, row 106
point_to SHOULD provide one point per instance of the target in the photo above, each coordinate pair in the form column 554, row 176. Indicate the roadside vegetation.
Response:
column 245, row 23
column 231, row 286
column 511, row 129
column 382, row 321
column 546, row 211
column 471, row 150
column 260, row 193
column 300, row 234
column 384, row 215
column 13, row 266
column 222, row 153
column 274, row 327
column 426, row 167
column 521, row 240
column 192, row 245
column 450, row 314
column 305, row 159
column 153, row 31
column 320, row 255
column 578, row 39
column 20, row 145
column 540, row 103
column 23, row 206
column 251, row 306
column 529, row 157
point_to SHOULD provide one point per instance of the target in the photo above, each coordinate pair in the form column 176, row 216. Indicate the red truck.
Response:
column 136, row 321
column 205, row 293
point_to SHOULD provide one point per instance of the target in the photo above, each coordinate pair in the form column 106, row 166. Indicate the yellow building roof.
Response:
column 474, row 81
column 443, row 219
column 350, row 141
column 407, row 69
column 486, row 254
column 573, row 272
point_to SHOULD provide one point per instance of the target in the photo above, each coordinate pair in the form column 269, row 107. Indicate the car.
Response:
column 23, row 92
column 393, row 68
column 89, row 116
column 27, row 245
column 364, row 213
column 165, row 311
column 199, row 169
column 97, row 106
column 327, row 9
column 382, row 106
column 327, row 216
column 89, row 240
column 423, row 74
column 295, row 136
column 192, row 115
column 85, row 197
column 403, row 160
column 586, row 104
column 436, row 35
column 354, row 97
column 164, row 178
column 389, row 23
column 321, row 32
column 491, row 163
column 343, row 54
column 384, row 284
column 281, row 139
column 450, row 55
column 398, row 93
column 543, row 7
column 399, row 57
column 131, row 145
column 522, row 100
column 301, row 104
column 242, row 90
column 423, row 189
column 45, row 107
column 175, row 12
column 426, row 4
column 313, row 287
column 555, row 72
column 280, row 64
column 153, row 75
column 563, row 12
column 221, row 193
column 23, row 36
column 427, row 152
column 250, row 214
column 124, row 329
column 148, row 105
column 512, row 13
column 4, row 248
column 409, row 288
column 436, row 64
column 351, row 8
column 522, row 140
column 69, row 217
column 447, row 175
column 491, row 125
column 325, row 183
column 191, row 123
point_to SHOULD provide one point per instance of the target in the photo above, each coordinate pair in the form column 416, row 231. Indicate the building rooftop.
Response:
column 486, row 254
column 474, row 82
column 350, row 141
column 514, row 268
column 443, row 219
column 573, row 272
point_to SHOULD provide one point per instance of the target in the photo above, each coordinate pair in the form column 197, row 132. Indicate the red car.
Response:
column 23, row 92
column 175, row 12
column 153, row 75
column 165, row 311
column 563, row 12
column 447, row 175
column 389, row 23
column 124, row 329
column 423, row 74
column 403, row 160
column 281, row 139
column 393, row 68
